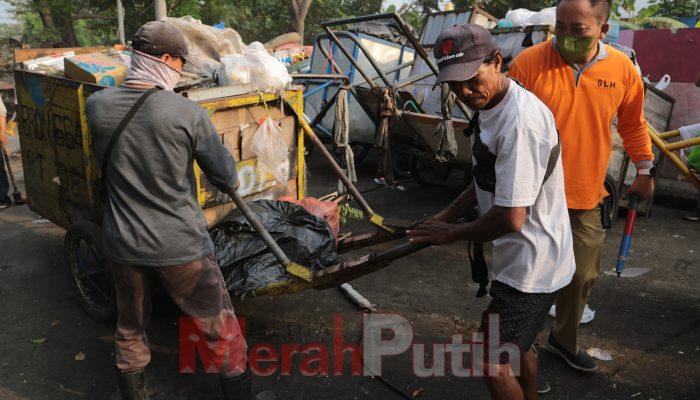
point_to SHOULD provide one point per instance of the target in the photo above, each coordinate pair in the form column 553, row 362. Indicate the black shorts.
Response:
column 520, row 315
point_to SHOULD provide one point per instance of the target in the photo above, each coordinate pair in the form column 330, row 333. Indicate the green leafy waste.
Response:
column 348, row 212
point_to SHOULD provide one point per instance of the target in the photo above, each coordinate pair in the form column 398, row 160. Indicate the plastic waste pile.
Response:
column 524, row 17
column 257, row 67
column 514, row 40
column 207, row 44
column 287, row 48
column 218, row 51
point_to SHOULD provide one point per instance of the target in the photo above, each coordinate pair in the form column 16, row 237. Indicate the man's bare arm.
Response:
column 459, row 207
column 499, row 221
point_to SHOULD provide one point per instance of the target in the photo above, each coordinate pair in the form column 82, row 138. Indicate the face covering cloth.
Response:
column 574, row 49
column 149, row 70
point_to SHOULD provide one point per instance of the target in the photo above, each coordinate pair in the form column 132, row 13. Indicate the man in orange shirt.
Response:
column 585, row 84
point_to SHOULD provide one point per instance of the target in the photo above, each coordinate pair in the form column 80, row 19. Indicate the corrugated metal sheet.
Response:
column 437, row 23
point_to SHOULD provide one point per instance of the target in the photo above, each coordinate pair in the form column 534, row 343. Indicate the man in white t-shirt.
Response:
column 519, row 187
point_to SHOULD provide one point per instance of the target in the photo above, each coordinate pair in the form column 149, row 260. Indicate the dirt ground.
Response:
column 649, row 324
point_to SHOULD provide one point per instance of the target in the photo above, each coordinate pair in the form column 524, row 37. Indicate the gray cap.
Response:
column 460, row 50
column 159, row 37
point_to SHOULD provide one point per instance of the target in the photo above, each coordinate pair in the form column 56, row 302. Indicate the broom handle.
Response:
column 9, row 168
column 627, row 234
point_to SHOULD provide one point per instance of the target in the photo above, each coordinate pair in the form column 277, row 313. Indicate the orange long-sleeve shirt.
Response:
column 584, row 111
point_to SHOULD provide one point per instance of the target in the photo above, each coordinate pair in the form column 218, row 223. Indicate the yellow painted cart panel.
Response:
column 62, row 177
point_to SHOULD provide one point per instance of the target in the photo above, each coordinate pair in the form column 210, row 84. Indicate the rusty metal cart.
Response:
column 403, row 120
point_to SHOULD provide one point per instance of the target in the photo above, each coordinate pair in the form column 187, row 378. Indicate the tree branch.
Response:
column 294, row 8
column 304, row 8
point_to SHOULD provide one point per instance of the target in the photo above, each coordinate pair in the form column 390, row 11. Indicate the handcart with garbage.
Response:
column 62, row 180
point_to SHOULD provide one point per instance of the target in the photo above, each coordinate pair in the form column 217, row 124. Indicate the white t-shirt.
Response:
column 521, row 131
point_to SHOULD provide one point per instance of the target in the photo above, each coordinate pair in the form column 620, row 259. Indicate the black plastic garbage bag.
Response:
column 245, row 261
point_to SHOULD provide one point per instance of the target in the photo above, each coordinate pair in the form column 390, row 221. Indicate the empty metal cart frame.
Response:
column 397, row 116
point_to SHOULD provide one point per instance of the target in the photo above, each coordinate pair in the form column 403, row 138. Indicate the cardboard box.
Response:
column 95, row 68
column 289, row 133
column 247, row 141
column 231, row 141
column 228, row 124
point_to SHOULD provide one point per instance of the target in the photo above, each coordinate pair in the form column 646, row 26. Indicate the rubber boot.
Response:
column 238, row 387
column 132, row 385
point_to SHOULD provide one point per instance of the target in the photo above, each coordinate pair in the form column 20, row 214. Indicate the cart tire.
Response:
column 83, row 253
column 613, row 198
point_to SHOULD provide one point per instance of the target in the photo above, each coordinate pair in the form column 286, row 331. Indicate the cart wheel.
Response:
column 612, row 199
column 429, row 172
column 83, row 254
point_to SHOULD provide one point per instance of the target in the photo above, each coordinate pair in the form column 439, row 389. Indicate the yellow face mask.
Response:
column 574, row 49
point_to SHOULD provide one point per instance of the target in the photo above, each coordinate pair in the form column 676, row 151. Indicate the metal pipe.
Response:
column 317, row 89
column 409, row 35
column 669, row 134
column 424, row 55
column 340, row 71
column 352, row 60
column 350, row 270
column 402, row 25
column 356, row 195
column 364, row 18
column 413, row 80
column 259, row 228
column 397, row 68
column 323, row 111
column 400, row 251
column 342, row 77
column 415, row 43
column 682, row 144
column 327, row 55
column 328, row 77
column 677, row 162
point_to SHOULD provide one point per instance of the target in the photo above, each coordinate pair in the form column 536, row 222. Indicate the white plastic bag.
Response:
column 664, row 82
column 519, row 16
column 233, row 70
column 266, row 72
column 272, row 152
column 546, row 16
column 206, row 44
